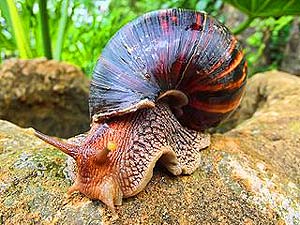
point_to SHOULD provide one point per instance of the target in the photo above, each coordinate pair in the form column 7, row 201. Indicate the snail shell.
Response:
column 166, row 50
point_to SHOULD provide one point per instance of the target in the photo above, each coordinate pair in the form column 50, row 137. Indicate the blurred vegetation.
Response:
column 77, row 30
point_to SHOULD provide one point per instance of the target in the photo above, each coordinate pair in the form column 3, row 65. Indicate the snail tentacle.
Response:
column 68, row 148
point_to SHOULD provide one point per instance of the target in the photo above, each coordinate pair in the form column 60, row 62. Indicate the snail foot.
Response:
column 109, row 192
column 169, row 161
column 190, row 156
column 75, row 187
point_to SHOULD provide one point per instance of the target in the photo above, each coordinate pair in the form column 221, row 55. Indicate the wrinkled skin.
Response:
column 117, row 157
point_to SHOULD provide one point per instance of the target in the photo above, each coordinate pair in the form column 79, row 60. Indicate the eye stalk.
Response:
column 101, row 156
column 92, row 141
column 68, row 148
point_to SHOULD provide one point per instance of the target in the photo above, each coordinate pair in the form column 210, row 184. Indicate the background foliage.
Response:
column 79, row 29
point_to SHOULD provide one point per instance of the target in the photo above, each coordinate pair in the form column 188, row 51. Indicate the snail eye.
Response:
column 111, row 146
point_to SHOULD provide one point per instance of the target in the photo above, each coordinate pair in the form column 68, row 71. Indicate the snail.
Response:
column 160, row 82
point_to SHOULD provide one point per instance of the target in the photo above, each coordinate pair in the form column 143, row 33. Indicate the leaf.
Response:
column 5, row 13
column 266, row 8
column 61, row 29
column 5, row 43
column 45, row 29
column 18, row 29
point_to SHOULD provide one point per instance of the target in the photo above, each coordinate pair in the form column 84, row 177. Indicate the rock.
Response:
column 48, row 95
column 233, row 16
column 291, row 57
column 249, row 175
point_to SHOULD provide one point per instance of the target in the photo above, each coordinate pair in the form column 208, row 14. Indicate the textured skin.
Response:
column 171, row 49
column 155, row 132
column 142, row 138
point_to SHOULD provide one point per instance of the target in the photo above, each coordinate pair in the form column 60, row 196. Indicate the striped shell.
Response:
column 170, row 49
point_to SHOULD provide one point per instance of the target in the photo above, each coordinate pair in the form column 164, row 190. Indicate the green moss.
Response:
column 9, row 201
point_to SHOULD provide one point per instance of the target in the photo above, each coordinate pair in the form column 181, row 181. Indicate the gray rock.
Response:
column 48, row 95
column 291, row 57
column 249, row 175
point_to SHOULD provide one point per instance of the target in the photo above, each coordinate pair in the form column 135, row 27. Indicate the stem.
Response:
column 18, row 30
column 243, row 26
column 61, row 30
column 45, row 29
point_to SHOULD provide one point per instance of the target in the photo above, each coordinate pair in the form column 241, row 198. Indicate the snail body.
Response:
column 160, row 81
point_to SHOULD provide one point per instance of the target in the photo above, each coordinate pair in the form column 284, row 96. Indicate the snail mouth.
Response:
column 107, row 190
column 175, row 99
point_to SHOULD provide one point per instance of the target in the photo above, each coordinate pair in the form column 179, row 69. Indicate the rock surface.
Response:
column 48, row 95
column 249, row 175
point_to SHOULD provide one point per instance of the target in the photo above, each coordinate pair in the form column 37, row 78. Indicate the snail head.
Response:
column 95, row 171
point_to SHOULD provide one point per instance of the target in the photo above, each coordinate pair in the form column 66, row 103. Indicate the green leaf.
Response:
column 61, row 29
column 4, row 12
column 45, row 29
column 18, row 29
column 5, row 43
column 266, row 8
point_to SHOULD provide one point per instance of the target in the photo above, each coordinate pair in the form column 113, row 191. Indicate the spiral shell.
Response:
column 171, row 49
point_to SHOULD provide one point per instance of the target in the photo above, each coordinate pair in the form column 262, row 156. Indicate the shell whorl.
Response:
column 170, row 49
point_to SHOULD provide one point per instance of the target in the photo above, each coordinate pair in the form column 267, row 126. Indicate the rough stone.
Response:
column 48, row 95
column 249, row 175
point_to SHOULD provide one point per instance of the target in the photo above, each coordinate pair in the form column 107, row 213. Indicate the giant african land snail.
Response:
column 160, row 81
